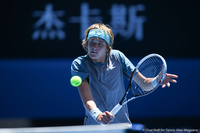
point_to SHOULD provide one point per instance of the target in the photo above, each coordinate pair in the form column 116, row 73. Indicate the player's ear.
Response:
column 107, row 49
column 86, row 46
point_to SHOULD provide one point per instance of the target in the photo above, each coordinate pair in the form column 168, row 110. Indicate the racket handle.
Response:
column 116, row 109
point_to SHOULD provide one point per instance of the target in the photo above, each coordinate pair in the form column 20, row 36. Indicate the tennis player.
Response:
column 102, row 70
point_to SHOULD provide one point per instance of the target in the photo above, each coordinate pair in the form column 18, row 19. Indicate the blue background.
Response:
column 41, row 89
column 35, row 74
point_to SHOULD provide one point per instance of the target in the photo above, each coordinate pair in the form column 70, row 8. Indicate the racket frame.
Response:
column 122, row 102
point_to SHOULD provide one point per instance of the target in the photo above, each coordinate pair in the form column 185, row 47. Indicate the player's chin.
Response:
column 93, row 56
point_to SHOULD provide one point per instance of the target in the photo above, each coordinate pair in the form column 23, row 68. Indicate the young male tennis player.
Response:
column 102, row 70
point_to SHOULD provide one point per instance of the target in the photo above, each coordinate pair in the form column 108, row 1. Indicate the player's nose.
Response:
column 95, row 46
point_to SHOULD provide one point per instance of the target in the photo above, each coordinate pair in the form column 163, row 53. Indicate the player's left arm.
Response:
column 143, row 81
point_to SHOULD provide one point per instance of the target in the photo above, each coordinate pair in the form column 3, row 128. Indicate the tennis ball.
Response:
column 75, row 81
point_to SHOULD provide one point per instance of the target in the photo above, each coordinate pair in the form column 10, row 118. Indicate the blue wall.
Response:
column 40, row 88
column 39, row 40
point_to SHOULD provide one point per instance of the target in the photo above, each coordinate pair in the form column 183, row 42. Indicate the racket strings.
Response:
column 150, row 68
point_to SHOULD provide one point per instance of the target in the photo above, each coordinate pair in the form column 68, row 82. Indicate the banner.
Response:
column 55, row 29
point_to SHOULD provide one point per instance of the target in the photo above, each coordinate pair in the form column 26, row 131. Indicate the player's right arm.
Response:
column 88, row 101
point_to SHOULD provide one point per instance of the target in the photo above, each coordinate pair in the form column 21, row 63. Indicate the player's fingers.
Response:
column 103, row 119
column 173, row 81
column 107, row 119
column 168, row 84
column 164, row 85
column 109, row 115
column 172, row 75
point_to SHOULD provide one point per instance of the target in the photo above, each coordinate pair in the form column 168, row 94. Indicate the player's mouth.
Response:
column 93, row 52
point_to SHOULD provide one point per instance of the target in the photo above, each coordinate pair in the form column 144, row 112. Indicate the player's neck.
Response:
column 99, row 60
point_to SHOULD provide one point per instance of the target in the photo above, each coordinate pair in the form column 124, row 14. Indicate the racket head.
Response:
column 151, row 66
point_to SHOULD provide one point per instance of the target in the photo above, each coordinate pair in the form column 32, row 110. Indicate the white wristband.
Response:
column 95, row 112
column 154, row 82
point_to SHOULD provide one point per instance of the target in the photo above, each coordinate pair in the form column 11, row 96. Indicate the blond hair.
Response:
column 101, row 26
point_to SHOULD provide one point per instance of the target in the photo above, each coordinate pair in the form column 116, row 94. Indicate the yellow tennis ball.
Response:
column 75, row 81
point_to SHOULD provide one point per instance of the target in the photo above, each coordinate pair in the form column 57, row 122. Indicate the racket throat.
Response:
column 116, row 109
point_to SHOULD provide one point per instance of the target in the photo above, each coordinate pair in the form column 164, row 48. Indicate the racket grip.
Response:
column 116, row 109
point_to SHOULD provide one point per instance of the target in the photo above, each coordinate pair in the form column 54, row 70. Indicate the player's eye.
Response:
column 100, row 43
column 91, row 42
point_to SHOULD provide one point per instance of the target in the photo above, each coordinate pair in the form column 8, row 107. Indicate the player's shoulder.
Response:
column 117, row 53
column 80, row 60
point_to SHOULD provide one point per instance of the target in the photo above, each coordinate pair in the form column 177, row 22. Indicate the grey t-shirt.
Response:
column 106, row 82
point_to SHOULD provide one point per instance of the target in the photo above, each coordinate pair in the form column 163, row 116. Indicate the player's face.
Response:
column 97, row 49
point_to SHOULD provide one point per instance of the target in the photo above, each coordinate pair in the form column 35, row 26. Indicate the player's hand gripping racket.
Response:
column 154, row 68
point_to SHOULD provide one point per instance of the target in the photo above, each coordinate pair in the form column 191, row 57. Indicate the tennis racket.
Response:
column 154, row 68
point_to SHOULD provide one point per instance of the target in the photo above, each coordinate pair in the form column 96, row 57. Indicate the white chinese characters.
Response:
column 48, row 26
column 124, row 28
column 125, row 21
